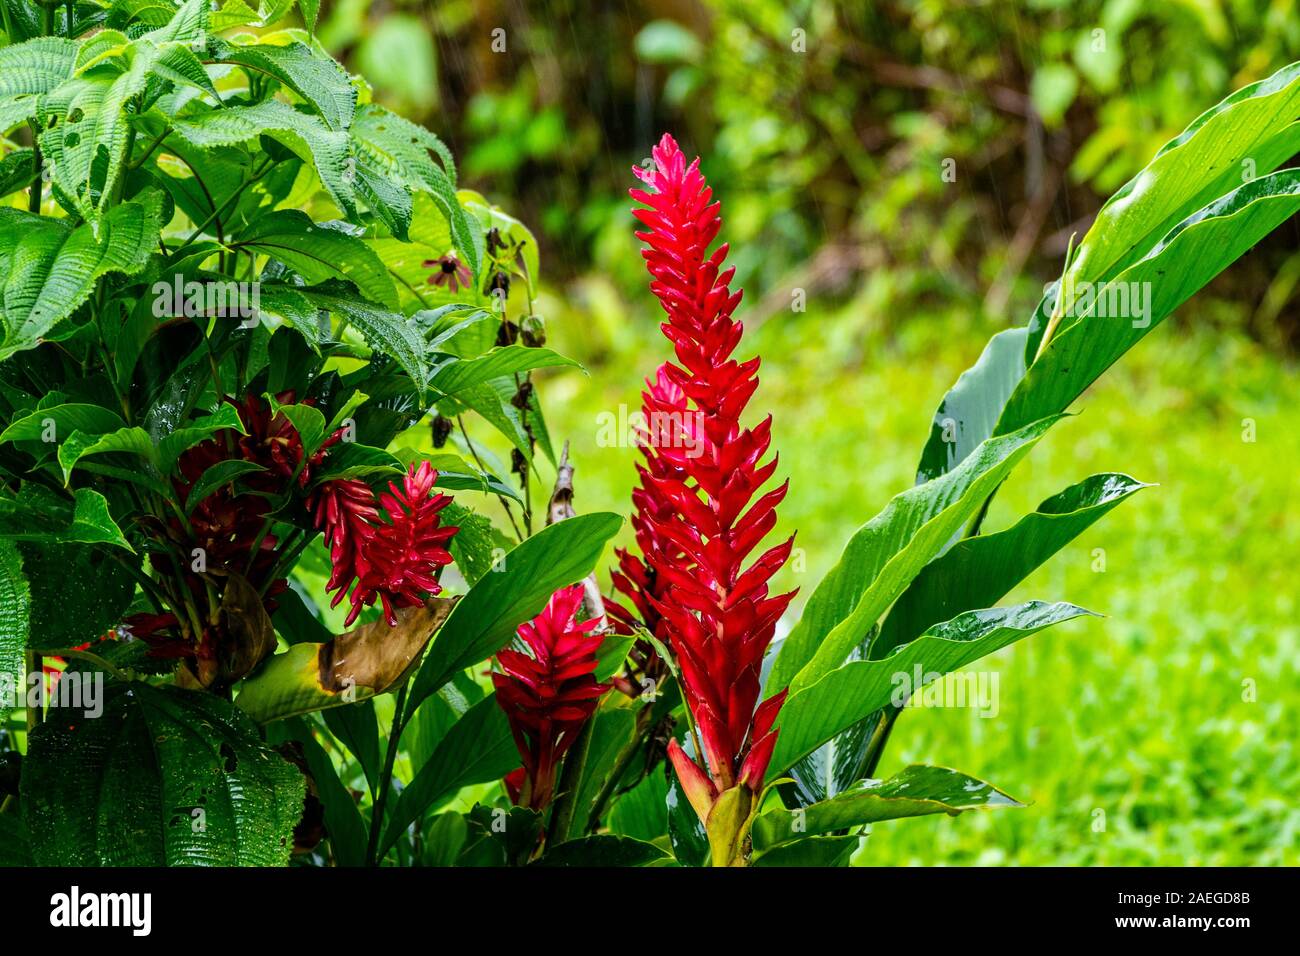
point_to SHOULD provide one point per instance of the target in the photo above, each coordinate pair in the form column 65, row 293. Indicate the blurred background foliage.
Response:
column 899, row 180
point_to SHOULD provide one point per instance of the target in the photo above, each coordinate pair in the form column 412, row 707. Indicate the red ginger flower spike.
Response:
column 696, row 518
column 548, row 694
column 393, row 556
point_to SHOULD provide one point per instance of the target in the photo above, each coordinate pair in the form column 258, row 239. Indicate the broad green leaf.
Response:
column 305, row 135
column 1192, row 253
column 818, row 851
column 1205, row 161
column 914, row 792
column 343, row 823
column 977, row 572
column 176, row 443
column 27, row 72
column 840, row 762
column 36, row 514
column 970, row 410
column 59, row 422
column 603, row 850
column 611, row 654
column 478, row 748
column 357, row 728
column 885, row 555
column 845, row 696
column 457, row 375
column 213, row 477
column 613, row 729
column 354, row 460
column 53, row 268
column 130, row 441
column 485, row 619
column 314, row 76
column 1248, row 134
column 15, row 614
column 306, row 420
column 65, row 611
column 127, row 788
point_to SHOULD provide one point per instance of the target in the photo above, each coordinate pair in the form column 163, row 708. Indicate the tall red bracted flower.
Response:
column 697, row 521
column 389, row 546
column 548, row 693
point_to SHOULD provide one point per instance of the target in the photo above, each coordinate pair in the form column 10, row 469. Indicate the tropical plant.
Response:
column 238, row 300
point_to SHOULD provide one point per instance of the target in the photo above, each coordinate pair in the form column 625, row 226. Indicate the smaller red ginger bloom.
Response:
column 393, row 556
column 550, row 695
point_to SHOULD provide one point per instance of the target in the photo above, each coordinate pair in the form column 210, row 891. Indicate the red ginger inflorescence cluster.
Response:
column 696, row 518
column 390, row 546
column 549, row 692
column 387, row 546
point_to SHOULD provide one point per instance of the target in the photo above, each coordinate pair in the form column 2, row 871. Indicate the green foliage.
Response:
column 171, row 453
column 163, row 777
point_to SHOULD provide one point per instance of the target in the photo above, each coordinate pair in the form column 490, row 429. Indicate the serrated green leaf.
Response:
column 27, row 72
column 455, row 376
column 53, row 268
column 15, row 617
column 304, row 134
column 314, row 76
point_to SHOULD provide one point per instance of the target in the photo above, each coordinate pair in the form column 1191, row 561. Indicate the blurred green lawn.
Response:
column 1129, row 735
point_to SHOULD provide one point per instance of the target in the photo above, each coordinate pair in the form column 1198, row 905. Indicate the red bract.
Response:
column 696, row 518
column 394, row 555
column 549, row 695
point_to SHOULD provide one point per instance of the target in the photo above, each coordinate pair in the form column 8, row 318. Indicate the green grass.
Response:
column 1128, row 734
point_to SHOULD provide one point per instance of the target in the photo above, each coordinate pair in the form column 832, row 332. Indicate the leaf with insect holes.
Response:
column 127, row 788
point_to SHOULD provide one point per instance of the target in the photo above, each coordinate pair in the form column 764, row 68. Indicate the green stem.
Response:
column 621, row 763
column 570, row 781
column 35, row 714
column 386, row 778
column 38, row 163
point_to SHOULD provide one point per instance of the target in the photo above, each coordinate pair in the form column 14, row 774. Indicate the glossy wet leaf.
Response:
column 1193, row 252
column 163, row 777
column 855, row 690
column 15, row 611
column 977, row 572
column 915, row 791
